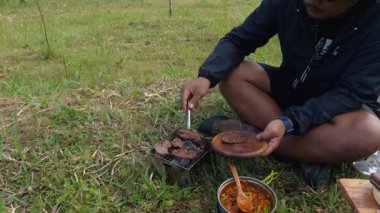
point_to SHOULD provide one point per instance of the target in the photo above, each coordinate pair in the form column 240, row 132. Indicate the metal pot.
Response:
column 258, row 183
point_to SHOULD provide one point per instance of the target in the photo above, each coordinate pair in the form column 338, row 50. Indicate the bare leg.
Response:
column 348, row 137
column 246, row 90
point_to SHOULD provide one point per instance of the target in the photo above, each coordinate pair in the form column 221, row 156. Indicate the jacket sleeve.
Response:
column 254, row 32
column 359, row 84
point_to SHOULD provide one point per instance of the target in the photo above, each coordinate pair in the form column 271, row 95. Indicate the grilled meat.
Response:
column 177, row 142
column 189, row 134
column 234, row 138
column 191, row 153
column 162, row 147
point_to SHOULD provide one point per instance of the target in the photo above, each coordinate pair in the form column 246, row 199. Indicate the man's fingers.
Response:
column 184, row 98
column 193, row 91
column 266, row 135
column 272, row 145
column 193, row 103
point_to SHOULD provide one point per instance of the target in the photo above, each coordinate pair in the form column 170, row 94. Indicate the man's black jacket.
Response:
column 350, row 73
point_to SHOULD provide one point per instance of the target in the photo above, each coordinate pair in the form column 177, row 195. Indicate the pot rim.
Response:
column 251, row 179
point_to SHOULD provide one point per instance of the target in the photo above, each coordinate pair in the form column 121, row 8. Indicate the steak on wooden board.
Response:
column 234, row 138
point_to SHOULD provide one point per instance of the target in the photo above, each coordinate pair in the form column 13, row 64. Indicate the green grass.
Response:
column 76, row 123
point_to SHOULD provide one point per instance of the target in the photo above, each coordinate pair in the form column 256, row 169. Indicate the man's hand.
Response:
column 273, row 134
column 193, row 91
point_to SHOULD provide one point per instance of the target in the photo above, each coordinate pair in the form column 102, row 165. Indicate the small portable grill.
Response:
column 176, row 169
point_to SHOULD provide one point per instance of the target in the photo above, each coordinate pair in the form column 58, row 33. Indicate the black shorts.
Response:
column 281, row 87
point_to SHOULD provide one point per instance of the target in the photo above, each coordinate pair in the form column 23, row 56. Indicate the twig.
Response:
column 57, row 207
column 13, row 209
column 23, row 109
column 97, row 180
column 96, row 151
column 76, row 177
column 8, row 158
column 113, row 168
column 105, row 166
column 111, row 105
column 65, row 68
column 43, row 23
column 171, row 7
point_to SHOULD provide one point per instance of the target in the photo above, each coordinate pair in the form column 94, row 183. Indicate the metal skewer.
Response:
column 188, row 116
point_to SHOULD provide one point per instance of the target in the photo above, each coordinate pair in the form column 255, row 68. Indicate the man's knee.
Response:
column 239, row 74
column 365, row 129
column 246, row 72
column 369, row 126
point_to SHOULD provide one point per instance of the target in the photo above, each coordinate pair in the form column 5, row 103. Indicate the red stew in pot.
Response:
column 261, row 200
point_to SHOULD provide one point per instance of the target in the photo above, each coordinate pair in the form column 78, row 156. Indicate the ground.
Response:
column 77, row 118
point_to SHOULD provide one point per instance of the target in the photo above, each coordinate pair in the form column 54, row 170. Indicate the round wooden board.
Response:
column 249, row 149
